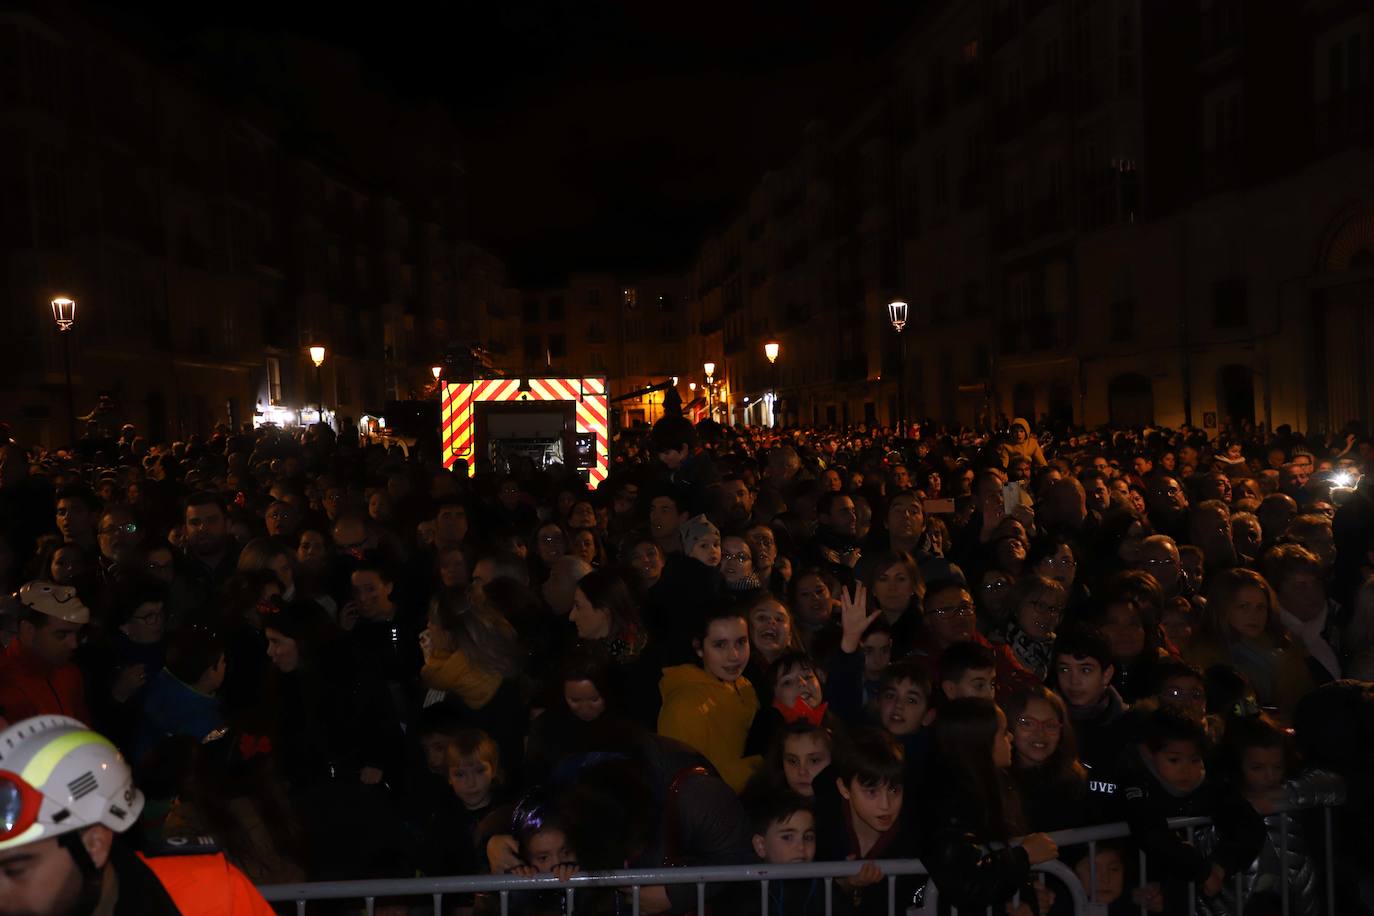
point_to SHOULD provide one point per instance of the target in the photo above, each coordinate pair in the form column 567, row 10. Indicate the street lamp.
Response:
column 317, row 357
column 437, row 370
column 770, row 350
column 710, row 391
column 64, row 316
column 897, row 314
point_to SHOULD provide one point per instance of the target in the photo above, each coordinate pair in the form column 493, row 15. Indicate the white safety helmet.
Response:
column 59, row 601
column 58, row 776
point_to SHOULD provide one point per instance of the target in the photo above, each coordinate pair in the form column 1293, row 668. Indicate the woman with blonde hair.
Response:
column 1241, row 628
column 470, row 649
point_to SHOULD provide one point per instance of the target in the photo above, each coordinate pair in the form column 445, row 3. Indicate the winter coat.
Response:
column 711, row 716
column 1101, row 732
column 836, row 842
column 1147, row 804
column 31, row 687
column 1035, row 655
column 453, row 673
column 172, row 707
column 1029, row 449
column 968, row 871
column 1284, row 831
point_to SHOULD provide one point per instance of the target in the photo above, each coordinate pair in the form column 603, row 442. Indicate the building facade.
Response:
column 1119, row 212
column 207, row 250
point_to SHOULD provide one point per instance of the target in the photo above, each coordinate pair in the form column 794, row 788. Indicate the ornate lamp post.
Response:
column 710, row 369
column 897, row 314
column 317, row 354
column 770, row 350
column 64, row 316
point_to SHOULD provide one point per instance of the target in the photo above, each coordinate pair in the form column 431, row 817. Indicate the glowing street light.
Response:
column 317, row 357
column 710, row 370
column 437, row 370
column 710, row 392
column 64, row 316
column 770, row 350
column 897, row 314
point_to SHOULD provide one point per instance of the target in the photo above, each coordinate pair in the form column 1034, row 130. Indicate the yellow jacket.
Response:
column 712, row 716
column 451, row 671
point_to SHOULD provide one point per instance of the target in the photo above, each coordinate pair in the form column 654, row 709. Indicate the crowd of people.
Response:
column 746, row 645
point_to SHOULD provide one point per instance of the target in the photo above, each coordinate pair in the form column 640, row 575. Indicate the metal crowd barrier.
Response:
column 1083, row 899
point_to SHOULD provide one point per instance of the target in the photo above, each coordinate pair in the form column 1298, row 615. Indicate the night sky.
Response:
column 597, row 135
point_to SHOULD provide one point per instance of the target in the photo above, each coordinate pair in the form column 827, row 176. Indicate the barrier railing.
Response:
column 1083, row 899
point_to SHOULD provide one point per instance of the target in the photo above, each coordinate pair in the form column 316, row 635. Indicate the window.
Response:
column 555, row 306
column 558, row 346
column 531, row 310
column 532, row 348
column 630, row 297
column 1230, row 306
column 970, row 51
column 597, row 361
column 595, row 334
column 973, row 299
column 273, row 380
column 594, row 299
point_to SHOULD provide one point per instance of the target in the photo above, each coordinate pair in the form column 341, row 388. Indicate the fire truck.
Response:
column 549, row 421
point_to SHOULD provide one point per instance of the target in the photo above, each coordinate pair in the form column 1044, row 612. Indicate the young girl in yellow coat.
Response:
column 711, row 706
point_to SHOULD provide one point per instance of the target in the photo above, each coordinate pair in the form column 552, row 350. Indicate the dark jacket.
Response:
column 1052, row 801
column 835, row 842
column 1101, row 733
column 968, row 872
column 1146, row 804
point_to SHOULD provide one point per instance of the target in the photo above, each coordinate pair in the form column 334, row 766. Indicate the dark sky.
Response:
column 597, row 134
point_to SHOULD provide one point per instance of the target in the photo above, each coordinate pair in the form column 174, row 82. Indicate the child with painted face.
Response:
column 970, row 823
column 711, row 705
column 1165, row 776
column 860, row 817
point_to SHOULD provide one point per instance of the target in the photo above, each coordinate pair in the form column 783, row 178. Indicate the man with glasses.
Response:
column 1168, row 505
column 120, row 538
column 950, row 619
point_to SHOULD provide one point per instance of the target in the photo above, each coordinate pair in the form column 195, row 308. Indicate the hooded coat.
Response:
column 1029, row 449
column 706, row 713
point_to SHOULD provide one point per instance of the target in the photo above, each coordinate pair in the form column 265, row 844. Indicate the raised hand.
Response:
column 854, row 617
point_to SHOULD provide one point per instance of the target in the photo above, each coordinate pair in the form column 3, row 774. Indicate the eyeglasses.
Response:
column 1178, row 693
column 150, row 617
column 958, row 611
column 1161, row 562
column 1032, row 724
column 551, row 539
column 1167, row 491
column 995, row 585
column 736, row 557
column 1047, row 611
column 127, row 528
column 1062, row 562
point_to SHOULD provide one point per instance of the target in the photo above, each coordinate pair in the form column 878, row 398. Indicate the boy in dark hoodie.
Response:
column 1082, row 673
column 1165, row 776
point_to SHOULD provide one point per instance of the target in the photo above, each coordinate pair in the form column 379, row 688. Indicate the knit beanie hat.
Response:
column 694, row 530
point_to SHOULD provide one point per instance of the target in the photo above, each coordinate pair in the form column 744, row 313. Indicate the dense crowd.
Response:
column 746, row 645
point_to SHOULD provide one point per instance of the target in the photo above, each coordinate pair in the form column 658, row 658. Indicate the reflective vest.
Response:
column 207, row 886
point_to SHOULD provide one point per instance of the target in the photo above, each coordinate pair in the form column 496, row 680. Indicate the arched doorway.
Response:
column 1236, row 394
column 1023, row 401
column 1131, row 400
